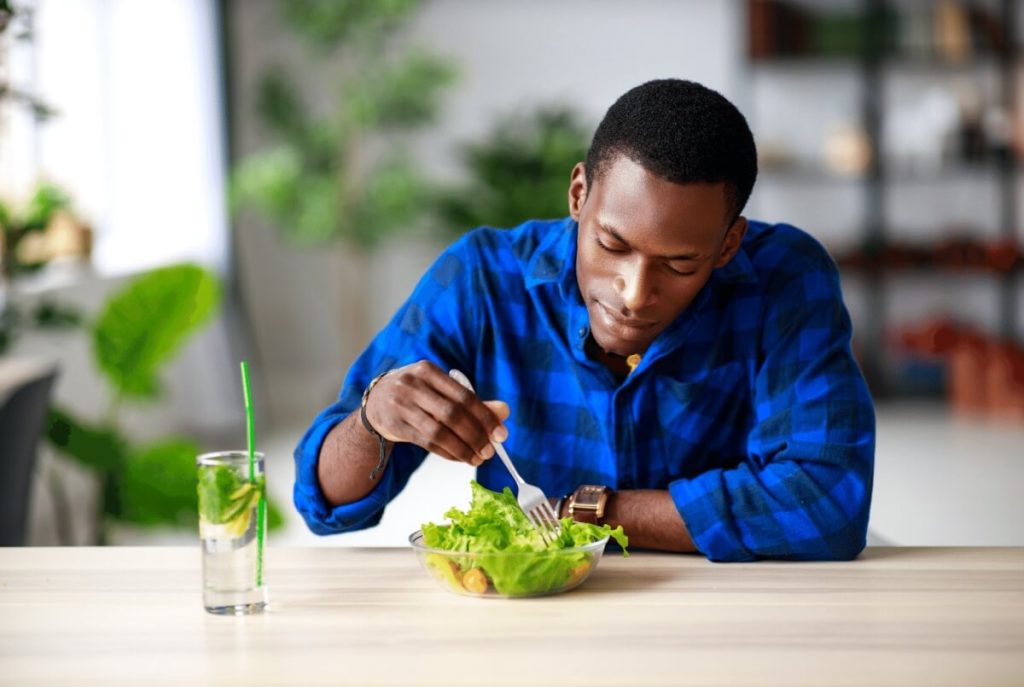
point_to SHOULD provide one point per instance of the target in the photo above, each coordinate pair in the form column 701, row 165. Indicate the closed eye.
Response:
column 608, row 248
column 680, row 272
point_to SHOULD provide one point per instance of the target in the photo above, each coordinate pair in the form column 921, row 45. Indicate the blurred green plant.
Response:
column 340, row 172
column 15, row 227
column 139, row 330
column 35, row 217
column 20, row 20
column 521, row 171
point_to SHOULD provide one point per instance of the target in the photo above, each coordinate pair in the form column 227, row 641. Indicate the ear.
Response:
column 733, row 238
column 577, row 190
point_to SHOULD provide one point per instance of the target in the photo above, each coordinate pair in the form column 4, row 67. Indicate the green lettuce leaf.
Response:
column 495, row 524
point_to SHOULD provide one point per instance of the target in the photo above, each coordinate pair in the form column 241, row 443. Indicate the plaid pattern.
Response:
column 749, row 408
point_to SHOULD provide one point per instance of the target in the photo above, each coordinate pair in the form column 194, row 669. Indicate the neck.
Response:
column 620, row 365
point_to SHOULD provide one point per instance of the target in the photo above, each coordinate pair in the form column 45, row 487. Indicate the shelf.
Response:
column 806, row 174
column 988, row 171
column 876, row 260
column 930, row 272
column 942, row 67
column 887, row 62
column 1001, row 259
column 807, row 63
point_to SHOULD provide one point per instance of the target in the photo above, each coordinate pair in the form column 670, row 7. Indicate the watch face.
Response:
column 588, row 501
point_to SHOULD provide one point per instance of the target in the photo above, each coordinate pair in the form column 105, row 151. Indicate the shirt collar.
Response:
column 554, row 261
column 737, row 271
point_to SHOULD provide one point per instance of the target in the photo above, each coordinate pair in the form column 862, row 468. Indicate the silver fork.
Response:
column 531, row 499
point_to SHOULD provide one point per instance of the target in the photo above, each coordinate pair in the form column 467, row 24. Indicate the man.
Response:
column 668, row 365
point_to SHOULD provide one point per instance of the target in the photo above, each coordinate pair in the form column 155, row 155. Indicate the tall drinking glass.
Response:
column 231, row 532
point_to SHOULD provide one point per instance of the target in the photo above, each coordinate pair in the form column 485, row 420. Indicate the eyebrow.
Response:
column 618, row 237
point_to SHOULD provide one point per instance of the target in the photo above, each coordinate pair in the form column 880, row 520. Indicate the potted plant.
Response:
column 138, row 331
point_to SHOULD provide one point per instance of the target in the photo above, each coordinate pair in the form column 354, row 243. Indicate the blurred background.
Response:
column 188, row 183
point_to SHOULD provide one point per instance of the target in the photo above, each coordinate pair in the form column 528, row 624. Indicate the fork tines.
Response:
column 544, row 519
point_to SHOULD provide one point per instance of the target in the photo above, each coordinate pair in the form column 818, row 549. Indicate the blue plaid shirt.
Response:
column 749, row 408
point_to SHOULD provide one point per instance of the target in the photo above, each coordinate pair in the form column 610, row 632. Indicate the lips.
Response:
column 619, row 322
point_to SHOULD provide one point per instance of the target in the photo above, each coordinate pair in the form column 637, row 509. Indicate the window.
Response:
column 137, row 138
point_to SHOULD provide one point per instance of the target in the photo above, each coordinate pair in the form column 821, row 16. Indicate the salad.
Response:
column 503, row 550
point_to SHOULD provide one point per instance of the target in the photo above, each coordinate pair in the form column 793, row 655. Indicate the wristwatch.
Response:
column 587, row 503
column 383, row 445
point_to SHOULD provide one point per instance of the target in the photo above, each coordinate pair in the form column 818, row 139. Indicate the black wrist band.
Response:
column 382, row 443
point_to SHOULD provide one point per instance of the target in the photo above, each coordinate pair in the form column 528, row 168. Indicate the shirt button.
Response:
column 582, row 332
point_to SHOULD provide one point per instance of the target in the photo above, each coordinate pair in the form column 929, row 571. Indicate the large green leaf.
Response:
column 98, row 448
column 143, row 326
column 158, row 485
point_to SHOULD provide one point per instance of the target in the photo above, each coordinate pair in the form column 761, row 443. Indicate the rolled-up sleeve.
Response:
column 437, row 323
column 803, row 491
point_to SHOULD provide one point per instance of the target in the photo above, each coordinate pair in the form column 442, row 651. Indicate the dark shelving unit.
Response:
column 873, row 60
column 1008, row 166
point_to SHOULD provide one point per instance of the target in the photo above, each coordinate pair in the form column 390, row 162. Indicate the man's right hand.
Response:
column 422, row 405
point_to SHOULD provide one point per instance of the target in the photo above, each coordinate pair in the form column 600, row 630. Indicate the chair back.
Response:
column 23, row 412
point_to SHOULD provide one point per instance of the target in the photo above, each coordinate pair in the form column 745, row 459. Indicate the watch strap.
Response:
column 382, row 443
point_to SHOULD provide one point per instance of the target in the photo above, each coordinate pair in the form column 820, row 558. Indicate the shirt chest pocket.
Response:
column 708, row 414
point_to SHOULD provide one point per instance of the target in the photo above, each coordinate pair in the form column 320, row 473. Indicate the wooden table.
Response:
column 934, row 616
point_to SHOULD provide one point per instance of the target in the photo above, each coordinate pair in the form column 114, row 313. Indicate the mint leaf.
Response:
column 225, row 497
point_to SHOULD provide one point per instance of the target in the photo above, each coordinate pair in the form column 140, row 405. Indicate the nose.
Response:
column 635, row 285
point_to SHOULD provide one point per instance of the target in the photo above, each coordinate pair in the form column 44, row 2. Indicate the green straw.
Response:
column 250, row 432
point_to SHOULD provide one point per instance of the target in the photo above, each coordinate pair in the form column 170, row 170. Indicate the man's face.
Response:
column 646, row 248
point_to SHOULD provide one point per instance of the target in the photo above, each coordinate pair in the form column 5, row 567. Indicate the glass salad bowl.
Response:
column 509, row 574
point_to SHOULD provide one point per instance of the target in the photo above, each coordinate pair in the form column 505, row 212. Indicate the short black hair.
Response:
column 682, row 132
